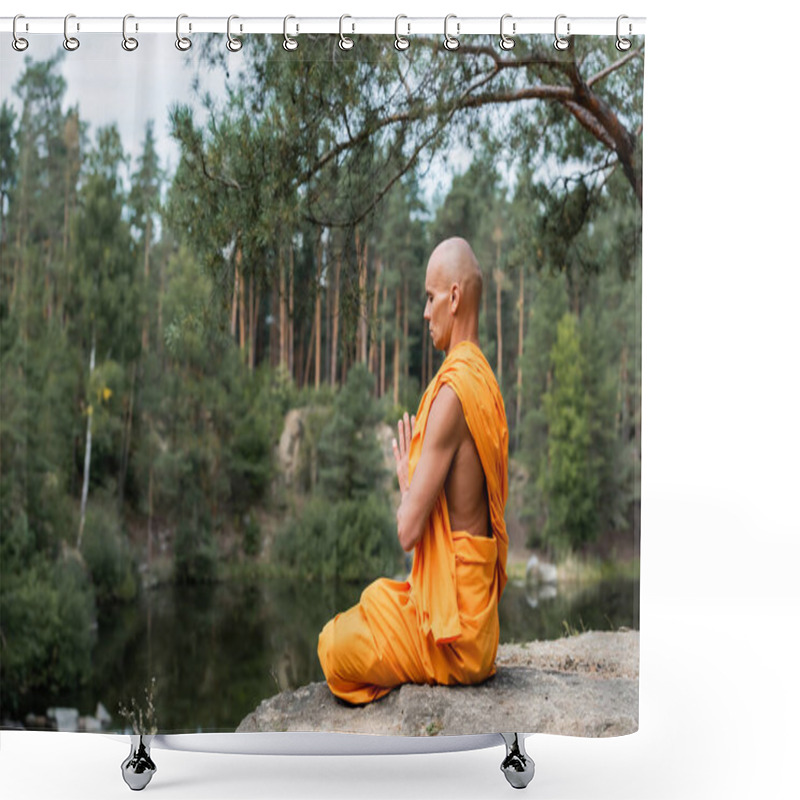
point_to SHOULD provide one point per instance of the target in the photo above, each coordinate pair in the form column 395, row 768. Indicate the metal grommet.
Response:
column 560, row 43
column 622, row 43
column 70, row 42
column 183, row 43
column 450, row 42
column 288, row 42
column 345, row 42
column 128, row 42
column 506, row 42
column 400, row 42
column 233, row 44
column 19, row 44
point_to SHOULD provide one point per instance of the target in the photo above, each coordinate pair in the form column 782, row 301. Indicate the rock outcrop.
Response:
column 584, row 685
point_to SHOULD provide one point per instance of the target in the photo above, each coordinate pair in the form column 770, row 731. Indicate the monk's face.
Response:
column 438, row 293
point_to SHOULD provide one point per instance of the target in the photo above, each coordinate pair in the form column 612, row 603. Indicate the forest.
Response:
column 156, row 327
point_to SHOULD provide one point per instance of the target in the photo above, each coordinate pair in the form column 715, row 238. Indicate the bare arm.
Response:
column 443, row 435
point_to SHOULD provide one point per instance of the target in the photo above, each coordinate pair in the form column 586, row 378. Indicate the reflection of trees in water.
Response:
column 606, row 605
column 216, row 650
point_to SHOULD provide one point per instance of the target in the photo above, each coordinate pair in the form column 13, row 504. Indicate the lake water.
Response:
column 216, row 651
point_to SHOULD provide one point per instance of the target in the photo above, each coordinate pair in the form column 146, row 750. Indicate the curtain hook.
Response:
column 289, row 43
column 400, row 42
column 450, row 42
column 506, row 42
column 128, row 42
column 70, row 42
column 19, row 44
column 560, row 43
column 622, row 43
column 183, row 43
column 233, row 44
column 345, row 42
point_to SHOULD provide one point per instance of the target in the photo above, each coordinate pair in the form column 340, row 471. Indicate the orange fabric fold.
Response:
column 441, row 625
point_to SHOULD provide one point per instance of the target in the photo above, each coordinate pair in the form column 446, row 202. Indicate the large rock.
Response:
column 584, row 685
column 289, row 452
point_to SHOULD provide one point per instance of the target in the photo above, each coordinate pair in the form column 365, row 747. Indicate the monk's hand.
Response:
column 400, row 448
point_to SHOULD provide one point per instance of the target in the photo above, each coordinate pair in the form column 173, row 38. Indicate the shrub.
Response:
column 107, row 553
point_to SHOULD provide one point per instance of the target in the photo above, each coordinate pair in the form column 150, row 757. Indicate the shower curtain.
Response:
column 213, row 284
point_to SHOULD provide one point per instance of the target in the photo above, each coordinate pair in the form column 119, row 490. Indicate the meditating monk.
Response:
column 440, row 625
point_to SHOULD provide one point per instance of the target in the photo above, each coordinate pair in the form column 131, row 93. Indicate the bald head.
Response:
column 458, row 264
column 453, row 285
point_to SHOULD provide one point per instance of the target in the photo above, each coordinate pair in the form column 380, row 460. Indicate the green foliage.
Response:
column 195, row 551
column 107, row 552
column 47, row 611
column 351, row 465
column 569, row 478
column 352, row 540
column 252, row 535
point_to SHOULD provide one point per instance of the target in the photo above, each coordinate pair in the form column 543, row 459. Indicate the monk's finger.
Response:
column 407, row 426
column 400, row 436
column 413, row 421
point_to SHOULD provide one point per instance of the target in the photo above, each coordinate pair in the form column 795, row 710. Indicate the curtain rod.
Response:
column 405, row 25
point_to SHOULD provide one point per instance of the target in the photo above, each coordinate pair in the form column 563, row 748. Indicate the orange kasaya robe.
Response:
column 441, row 624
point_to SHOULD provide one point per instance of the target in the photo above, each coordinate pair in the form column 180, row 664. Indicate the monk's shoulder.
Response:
column 447, row 416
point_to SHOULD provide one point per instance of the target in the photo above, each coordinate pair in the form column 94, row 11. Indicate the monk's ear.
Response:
column 455, row 297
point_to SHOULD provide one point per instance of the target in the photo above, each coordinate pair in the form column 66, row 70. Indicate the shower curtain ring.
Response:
column 451, row 42
column 560, row 43
column 345, row 42
column 233, row 44
column 70, row 42
column 400, row 42
column 183, row 43
column 622, row 43
column 506, row 42
column 128, row 42
column 19, row 44
column 288, row 42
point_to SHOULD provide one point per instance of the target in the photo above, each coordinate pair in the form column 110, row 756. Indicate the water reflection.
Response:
column 217, row 651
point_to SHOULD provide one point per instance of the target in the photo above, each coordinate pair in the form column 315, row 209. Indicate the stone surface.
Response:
column 584, row 685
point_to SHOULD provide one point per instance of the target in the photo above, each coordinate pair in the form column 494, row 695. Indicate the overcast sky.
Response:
column 110, row 85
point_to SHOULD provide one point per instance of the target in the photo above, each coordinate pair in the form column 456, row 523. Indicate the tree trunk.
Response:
column 251, row 355
column 335, row 314
column 290, row 316
column 161, row 287
column 406, row 364
column 382, row 391
column 520, row 342
column 146, row 315
column 282, row 309
column 87, row 458
column 242, row 307
column 396, row 394
column 361, row 330
column 234, row 300
column 318, row 317
column 126, row 444
column 274, row 355
column 621, row 417
column 373, row 345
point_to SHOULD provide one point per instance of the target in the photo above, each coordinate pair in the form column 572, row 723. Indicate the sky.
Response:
column 110, row 85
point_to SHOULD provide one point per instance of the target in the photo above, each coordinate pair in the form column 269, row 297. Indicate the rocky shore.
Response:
column 585, row 685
